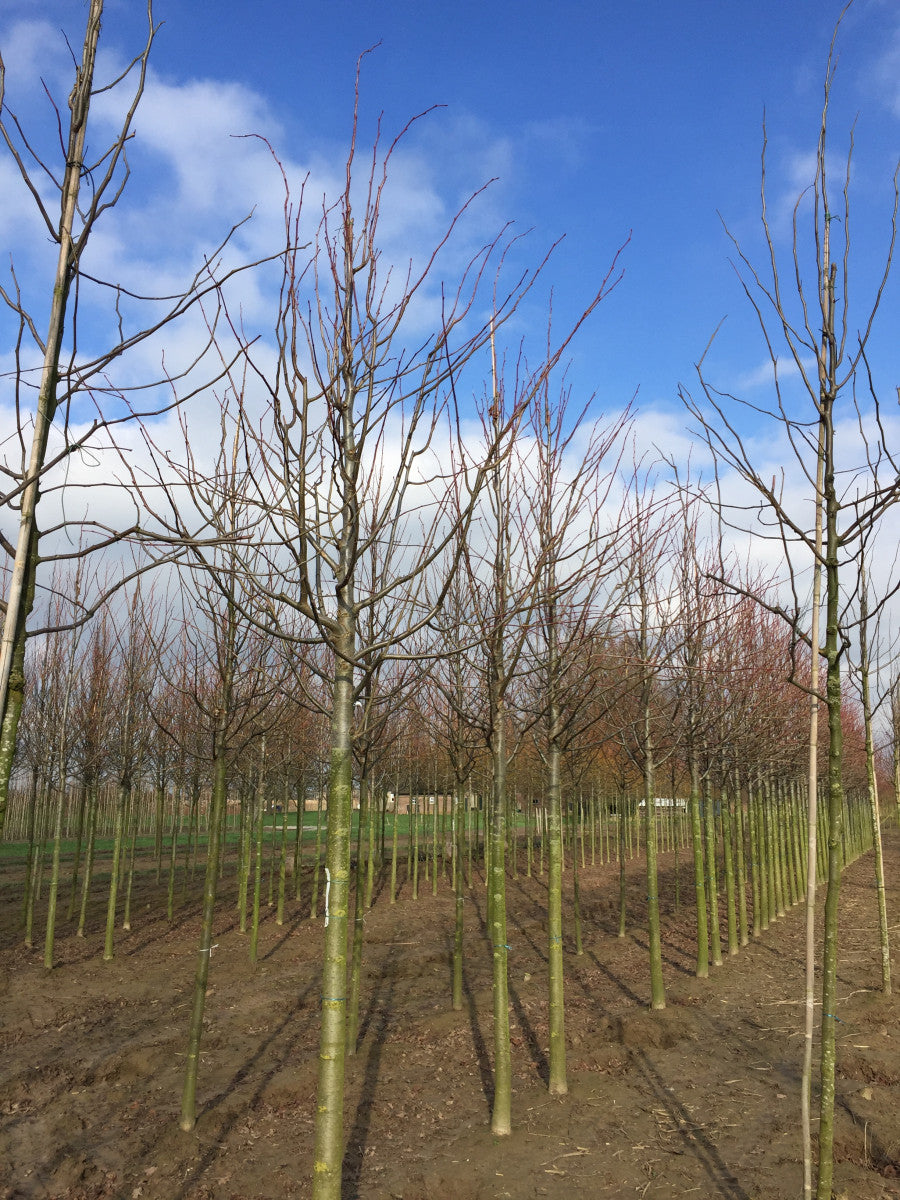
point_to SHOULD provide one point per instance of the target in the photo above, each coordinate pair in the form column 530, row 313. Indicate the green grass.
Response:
column 17, row 852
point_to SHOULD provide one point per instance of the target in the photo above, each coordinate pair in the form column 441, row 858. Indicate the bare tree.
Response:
column 70, row 376
column 348, row 455
column 576, row 551
column 851, row 483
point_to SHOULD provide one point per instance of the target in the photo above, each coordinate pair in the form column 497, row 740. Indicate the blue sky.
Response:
column 599, row 121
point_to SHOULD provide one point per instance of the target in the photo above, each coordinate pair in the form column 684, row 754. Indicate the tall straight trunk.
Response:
column 258, row 819
column 776, row 809
column 32, row 864
column 414, row 842
column 576, row 904
column 657, row 987
column 54, row 876
column 501, row 1115
column 835, row 807
column 558, row 1081
column 300, row 802
column 459, row 894
column 93, row 805
column 884, row 937
column 118, row 839
column 79, row 850
column 173, row 855
column 620, row 829
column 282, row 865
column 434, row 846
column 394, row 847
column 244, row 839
column 699, row 881
column 317, row 862
column 205, row 949
column 365, row 801
column 24, row 568
column 159, row 815
column 15, row 695
column 739, row 841
column 371, row 853
column 329, row 1135
column 731, row 914
column 129, row 881
column 712, row 871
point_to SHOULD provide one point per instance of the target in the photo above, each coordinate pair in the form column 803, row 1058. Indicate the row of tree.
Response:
column 395, row 508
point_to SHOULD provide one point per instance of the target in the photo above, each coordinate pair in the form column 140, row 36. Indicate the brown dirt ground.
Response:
column 700, row 1100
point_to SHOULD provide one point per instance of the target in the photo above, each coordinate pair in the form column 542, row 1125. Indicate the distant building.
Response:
column 667, row 802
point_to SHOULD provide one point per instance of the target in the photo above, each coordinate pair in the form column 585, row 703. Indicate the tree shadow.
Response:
column 288, row 929
column 614, row 979
column 667, row 958
column 538, row 1058
column 378, row 1019
column 482, row 1058
column 693, row 1139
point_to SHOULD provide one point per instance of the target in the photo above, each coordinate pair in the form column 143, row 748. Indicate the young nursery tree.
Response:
column 574, row 465
column 348, row 454
column 72, row 377
column 852, row 476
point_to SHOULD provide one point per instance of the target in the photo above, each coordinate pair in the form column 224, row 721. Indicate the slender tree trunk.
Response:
column 87, row 879
column 620, row 823
column 657, row 987
column 699, row 881
column 365, row 801
column 558, row 1081
column 835, row 812
column 118, row 838
column 501, row 1115
column 317, row 864
column 24, row 568
column 329, row 1144
column 259, row 815
column 459, row 892
column 712, row 871
column 884, row 937
column 205, row 949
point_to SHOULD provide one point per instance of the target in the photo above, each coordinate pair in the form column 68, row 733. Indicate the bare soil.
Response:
column 700, row 1100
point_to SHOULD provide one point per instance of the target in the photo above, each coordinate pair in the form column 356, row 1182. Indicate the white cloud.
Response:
column 885, row 74
column 33, row 50
column 763, row 376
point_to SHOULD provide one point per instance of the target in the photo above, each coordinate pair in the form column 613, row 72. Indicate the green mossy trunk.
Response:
column 205, row 949
column 699, row 880
column 558, row 1079
column 657, row 986
column 874, row 813
column 712, row 877
column 88, row 877
column 329, row 1129
column 50, row 933
column 359, row 912
column 15, row 698
column 501, row 1113
column 835, row 808
column 394, row 848
column 739, row 842
column 458, row 835
column 173, row 857
column 317, row 864
column 118, row 840
column 620, row 824
column 79, row 850
column 259, row 816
